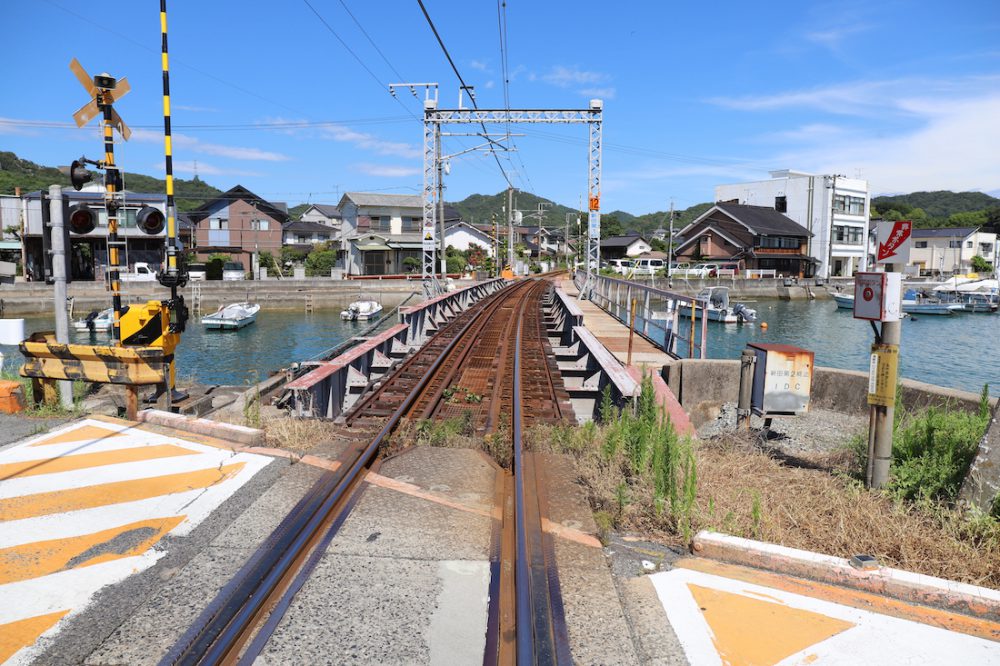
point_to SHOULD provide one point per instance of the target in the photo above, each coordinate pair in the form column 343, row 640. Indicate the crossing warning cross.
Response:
column 95, row 87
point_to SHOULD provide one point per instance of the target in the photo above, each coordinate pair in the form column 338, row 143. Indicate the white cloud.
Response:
column 603, row 93
column 387, row 170
column 481, row 65
column 565, row 77
column 196, row 145
column 195, row 109
column 953, row 149
column 868, row 98
column 204, row 169
column 370, row 142
column 489, row 84
column 833, row 37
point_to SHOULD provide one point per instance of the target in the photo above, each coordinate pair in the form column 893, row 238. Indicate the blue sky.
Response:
column 904, row 94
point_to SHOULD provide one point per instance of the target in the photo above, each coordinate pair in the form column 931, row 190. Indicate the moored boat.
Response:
column 99, row 322
column 719, row 308
column 231, row 317
column 361, row 310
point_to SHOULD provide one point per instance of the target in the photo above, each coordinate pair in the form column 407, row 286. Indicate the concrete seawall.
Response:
column 26, row 299
column 703, row 386
column 764, row 288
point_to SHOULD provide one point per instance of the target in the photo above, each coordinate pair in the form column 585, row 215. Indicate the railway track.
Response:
column 490, row 364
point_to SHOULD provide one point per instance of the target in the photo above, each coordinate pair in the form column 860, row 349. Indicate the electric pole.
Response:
column 670, row 246
column 510, row 227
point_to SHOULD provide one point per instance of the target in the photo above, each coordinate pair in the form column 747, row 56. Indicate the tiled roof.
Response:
column 378, row 199
column 764, row 221
column 945, row 232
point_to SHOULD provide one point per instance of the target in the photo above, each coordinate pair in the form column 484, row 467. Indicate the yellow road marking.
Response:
column 84, row 460
column 22, row 633
column 74, row 499
column 749, row 631
column 80, row 434
column 41, row 558
column 860, row 599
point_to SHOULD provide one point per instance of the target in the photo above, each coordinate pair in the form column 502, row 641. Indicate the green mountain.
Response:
column 480, row 208
column 17, row 172
column 939, row 209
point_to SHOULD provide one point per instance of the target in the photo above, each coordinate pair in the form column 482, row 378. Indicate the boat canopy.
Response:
column 980, row 287
column 952, row 283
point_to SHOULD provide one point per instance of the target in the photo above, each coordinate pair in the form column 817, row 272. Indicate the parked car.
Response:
column 141, row 272
column 621, row 266
column 724, row 266
column 196, row 272
column 233, row 270
column 647, row 267
column 677, row 268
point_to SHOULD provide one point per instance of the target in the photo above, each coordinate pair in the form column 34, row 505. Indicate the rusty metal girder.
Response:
column 44, row 358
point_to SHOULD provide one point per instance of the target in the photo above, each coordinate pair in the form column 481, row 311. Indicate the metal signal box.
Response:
column 782, row 379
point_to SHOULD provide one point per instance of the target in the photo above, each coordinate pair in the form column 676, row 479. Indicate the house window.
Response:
column 986, row 249
column 383, row 223
column 260, row 225
column 920, row 245
column 218, row 223
column 781, row 204
column 411, row 224
column 968, row 243
column 954, row 244
column 848, row 205
column 782, row 242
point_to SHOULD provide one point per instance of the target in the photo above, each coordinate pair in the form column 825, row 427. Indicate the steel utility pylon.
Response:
column 435, row 118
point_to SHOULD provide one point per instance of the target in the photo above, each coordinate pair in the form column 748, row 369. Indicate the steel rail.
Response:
column 222, row 625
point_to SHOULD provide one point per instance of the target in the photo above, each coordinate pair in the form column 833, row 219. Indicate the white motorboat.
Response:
column 231, row 317
column 719, row 309
column 910, row 304
column 99, row 322
column 361, row 310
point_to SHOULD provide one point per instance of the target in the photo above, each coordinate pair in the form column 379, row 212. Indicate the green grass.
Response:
column 931, row 450
column 42, row 410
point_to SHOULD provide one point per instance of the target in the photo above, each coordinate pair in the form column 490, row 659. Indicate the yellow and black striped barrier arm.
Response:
column 168, row 148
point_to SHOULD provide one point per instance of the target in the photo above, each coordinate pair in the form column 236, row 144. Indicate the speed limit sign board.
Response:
column 877, row 296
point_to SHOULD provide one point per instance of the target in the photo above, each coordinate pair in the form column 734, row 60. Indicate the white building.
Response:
column 322, row 214
column 834, row 208
column 950, row 250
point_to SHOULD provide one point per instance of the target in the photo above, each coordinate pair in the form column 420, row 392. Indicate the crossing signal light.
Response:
column 78, row 175
column 150, row 220
column 81, row 219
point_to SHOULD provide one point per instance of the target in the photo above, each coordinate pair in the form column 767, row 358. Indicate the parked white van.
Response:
column 648, row 267
column 621, row 266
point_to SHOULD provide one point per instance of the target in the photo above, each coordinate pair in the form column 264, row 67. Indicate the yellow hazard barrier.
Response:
column 44, row 358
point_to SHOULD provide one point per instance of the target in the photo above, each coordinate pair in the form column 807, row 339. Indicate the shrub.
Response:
column 411, row 264
column 319, row 263
column 455, row 263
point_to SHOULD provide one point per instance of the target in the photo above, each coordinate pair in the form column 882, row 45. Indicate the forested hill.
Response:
column 17, row 172
column 480, row 208
column 939, row 209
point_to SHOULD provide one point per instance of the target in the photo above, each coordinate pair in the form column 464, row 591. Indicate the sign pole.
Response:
column 883, row 416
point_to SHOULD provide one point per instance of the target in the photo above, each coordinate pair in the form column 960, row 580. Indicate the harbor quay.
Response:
column 367, row 499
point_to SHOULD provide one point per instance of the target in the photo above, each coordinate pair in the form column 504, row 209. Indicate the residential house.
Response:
column 629, row 245
column 758, row 237
column 834, row 209
column 949, row 250
column 301, row 232
column 240, row 224
column 89, row 252
column 382, row 231
column 325, row 214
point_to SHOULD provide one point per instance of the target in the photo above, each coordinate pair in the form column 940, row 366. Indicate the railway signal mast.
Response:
column 435, row 119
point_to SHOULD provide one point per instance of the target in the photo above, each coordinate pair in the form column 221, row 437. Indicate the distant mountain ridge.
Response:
column 941, row 208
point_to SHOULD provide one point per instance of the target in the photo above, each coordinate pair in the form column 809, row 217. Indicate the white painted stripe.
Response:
column 843, row 565
column 876, row 638
column 195, row 504
column 26, row 453
column 127, row 471
column 73, row 589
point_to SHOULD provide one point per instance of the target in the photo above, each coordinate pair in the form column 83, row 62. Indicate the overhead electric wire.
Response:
column 505, row 70
column 361, row 62
column 464, row 87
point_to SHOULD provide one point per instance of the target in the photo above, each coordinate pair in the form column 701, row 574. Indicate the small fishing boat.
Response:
column 911, row 304
column 980, row 296
column 231, row 317
column 719, row 308
column 99, row 322
column 361, row 310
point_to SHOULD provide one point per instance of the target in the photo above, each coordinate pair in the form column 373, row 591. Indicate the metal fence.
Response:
column 657, row 313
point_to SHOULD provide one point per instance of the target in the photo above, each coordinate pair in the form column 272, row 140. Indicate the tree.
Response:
column 658, row 245
column 611, row 226
column 291, row 255
column 980, row 265
column 319, row 262
column 411, row 264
